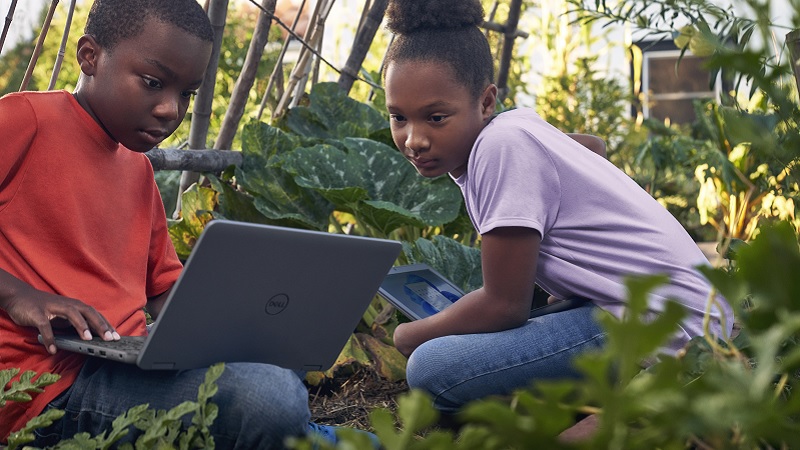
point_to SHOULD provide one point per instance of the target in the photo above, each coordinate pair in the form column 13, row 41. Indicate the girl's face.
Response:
column 434, row 118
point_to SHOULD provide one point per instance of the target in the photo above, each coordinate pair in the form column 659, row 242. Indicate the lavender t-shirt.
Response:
column 597, row 225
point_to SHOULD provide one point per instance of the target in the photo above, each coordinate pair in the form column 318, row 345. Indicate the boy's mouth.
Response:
column 153, row 136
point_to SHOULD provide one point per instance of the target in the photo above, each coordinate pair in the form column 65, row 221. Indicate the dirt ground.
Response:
column 347, row 401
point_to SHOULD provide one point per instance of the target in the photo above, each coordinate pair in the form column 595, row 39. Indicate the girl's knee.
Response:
column 427, row 367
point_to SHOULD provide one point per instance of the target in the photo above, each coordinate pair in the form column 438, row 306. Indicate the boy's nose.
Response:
column 167, row 109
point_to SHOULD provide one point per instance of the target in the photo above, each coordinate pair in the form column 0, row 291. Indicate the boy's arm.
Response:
column 29, row 307
column 508, row 257
column 154, row 304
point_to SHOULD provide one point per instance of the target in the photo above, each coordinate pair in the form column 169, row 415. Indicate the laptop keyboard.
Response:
column 125, row 343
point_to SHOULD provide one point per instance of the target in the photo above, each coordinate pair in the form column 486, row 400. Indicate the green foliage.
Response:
column 326, row 176
column 327, row 167
column 735, row 394
column 581, row 100
column 743, row 153
column 459, row 263
column 161, row 429
column 20, row 389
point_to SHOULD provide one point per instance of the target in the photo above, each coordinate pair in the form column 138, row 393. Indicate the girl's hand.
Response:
column 508, row 257
column 401, row 341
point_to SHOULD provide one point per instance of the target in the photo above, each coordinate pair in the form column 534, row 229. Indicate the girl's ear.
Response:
column 488, row 101
column 88, row 54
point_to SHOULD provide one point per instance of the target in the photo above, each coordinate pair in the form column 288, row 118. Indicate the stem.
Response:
column 9, row 18
column 62, row 49
column 38, row 49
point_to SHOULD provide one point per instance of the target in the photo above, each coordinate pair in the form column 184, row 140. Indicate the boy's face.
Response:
column 434, row 119
column 139, row 90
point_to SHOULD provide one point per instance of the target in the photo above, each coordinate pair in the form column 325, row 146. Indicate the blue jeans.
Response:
column 458, row 369
column 259, row 404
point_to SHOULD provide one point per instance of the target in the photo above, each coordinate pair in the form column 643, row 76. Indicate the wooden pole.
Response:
column 363, row 40
column 201, row 112
column 793, row 43
column 247, row 77
column 39, row 44
column 62, row 48
column 276, row 78
column 9, row 18
column 301, row 69
column 205, row 160
column 508, row 47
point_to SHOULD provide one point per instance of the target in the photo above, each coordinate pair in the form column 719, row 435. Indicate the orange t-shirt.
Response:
column 80, row 216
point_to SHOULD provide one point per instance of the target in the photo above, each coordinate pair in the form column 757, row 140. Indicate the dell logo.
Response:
column 277, row 304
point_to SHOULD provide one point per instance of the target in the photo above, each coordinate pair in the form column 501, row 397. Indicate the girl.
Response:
column 548, row 212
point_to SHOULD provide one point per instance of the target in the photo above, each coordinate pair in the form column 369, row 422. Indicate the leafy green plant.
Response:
column 161, row 429
column 328, row 167
column 21, row 389
column 746, row 149
column 735, row 393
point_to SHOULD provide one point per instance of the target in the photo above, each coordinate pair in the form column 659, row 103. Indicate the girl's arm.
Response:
column 508, row 257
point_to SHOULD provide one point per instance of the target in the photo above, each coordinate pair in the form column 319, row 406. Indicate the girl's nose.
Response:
column 416, row 141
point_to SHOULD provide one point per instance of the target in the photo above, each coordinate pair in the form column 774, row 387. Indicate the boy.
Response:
column 83, row 237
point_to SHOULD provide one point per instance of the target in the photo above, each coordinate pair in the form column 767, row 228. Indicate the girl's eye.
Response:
column 188, row 94
column 152, row 83
column 396, row 117
column 437, row 118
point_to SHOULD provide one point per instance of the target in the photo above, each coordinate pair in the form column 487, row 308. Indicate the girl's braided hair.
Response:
column 443, row 31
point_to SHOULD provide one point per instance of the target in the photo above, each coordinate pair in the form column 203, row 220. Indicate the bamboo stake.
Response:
column 201, row 111
column 300, row 69
column 9, row 18
column 277, row 71
column 311, row 65
column 241, row 90
column 62, row 49
column 39, row 44
column 364, row 37
column 793, row 42
column 508, row 47
column 205, row 160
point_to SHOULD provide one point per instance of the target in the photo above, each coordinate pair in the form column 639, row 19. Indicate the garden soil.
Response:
column 348, row 400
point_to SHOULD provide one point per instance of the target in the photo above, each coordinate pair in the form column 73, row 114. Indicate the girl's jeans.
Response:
column 259, row 404
column 458, row 369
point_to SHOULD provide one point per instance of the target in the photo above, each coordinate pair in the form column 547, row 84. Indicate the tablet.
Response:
column 418, row 291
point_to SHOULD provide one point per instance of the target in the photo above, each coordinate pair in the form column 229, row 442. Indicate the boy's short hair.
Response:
column 112, row 21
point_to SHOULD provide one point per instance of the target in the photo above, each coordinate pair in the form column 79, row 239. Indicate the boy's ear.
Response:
column 88, row 54
column 489, row 101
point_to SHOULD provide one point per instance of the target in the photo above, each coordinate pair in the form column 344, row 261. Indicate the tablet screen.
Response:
column 418, row 291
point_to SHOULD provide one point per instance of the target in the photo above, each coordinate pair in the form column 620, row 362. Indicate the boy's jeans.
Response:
column 259, row 404
column 458, row 369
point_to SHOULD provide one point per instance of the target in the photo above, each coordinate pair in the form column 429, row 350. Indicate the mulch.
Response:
column 348, row 400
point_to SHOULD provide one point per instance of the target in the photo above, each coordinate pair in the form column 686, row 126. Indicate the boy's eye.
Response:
column 188, row 94
column 152, row 83
column 437, row 118
column 396, row 117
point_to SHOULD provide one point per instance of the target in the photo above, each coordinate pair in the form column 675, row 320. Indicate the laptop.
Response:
column 259, row 293
column 419, row 291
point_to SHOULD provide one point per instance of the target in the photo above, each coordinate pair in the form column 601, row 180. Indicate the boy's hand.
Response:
column 42, row 310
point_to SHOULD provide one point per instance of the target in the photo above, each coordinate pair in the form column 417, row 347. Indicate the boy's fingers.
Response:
column 47, row 338
column 101, row 326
